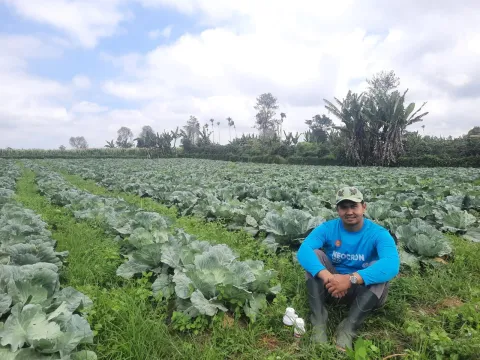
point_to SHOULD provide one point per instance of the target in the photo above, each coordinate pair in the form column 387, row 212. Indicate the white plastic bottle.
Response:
column 289, row 317
column 299, row 328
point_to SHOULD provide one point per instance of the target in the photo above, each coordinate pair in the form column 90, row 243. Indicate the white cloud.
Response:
column 458, row 79
column 302, row 51
column 30, row 104
column 81, row 82
column 27, row 102
column 85, row 21
column 165, row 33
column 154, row 34
column 18, row 49
column 86, row 107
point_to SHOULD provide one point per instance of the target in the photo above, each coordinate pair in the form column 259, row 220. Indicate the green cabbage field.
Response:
column 157, row 259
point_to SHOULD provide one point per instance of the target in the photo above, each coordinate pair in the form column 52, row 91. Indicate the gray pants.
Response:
column 380, row 290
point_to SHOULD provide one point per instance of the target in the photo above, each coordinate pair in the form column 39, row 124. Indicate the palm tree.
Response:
column 110, row 144
column 204, row 136
column 374, row 125
column 230, row 124
column 213, row 135
column 175, row 136
column 279, row 130
column 234, row 128
column 218, row 124
column 350, row 112
column 296, row 137
column 390, row 118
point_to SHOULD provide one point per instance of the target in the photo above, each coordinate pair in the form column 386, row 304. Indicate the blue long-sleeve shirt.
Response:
column 352, row 251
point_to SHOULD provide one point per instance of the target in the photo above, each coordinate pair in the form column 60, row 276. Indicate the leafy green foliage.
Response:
column 203, row 278
column 472, row 235
column 423, row 239
column 375, row 122
column 458, row 221
column 259, row 199
column 363, row 350
column 60, row 331
column 458, row 338
column 126, row 315
column 289, row 225
column 34, row 312
column 25, row 238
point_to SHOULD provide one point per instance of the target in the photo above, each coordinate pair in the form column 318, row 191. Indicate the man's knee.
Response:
column 321, row 256
column 324, row 260
column 381, row 291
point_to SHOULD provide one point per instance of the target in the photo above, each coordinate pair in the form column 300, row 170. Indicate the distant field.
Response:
column 196, row 259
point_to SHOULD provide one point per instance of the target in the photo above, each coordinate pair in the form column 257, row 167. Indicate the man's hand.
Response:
column 338, row 285
column 325, row 275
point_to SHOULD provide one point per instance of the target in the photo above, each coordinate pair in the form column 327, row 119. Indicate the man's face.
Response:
column 351, row 212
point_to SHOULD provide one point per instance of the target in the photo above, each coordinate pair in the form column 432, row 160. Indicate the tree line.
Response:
column 372, row 130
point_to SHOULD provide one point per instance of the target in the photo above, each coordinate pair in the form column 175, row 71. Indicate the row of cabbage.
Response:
column 38, row 320
column 200, row 278
column 286, row 202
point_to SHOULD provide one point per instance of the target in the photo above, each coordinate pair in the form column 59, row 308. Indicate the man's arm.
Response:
column 388, row 264
column 306, row 255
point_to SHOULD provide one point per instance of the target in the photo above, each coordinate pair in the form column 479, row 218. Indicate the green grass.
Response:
column 421, row 308
column 93, row 256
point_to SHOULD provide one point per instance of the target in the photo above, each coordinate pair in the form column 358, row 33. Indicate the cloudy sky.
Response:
column 88, row 67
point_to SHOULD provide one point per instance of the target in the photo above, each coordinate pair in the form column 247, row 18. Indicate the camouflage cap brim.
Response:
column 354, row 199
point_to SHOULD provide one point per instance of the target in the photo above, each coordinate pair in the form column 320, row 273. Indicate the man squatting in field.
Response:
column 358, row 260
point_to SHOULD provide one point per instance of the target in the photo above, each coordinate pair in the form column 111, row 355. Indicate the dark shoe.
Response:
column 319, row 315
column 362, row 305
